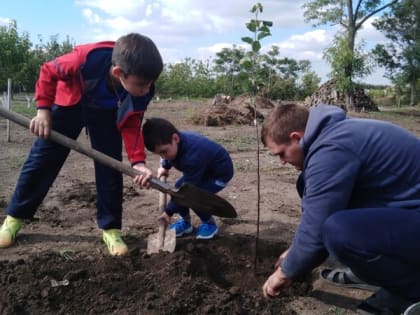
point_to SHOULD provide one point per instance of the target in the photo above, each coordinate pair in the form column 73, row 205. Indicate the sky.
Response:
column 196, row 29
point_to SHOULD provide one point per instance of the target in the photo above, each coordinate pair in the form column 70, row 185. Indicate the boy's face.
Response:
column 135, row 85
column 290, row 152
column 170, row 150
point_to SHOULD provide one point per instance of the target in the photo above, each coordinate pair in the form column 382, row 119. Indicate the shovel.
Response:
column 164, row 239
column 187, row 195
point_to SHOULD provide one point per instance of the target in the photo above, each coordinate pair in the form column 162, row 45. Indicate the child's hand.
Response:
column 162, row 172
column 143, row 180
column 165, row 218
column 40, row 125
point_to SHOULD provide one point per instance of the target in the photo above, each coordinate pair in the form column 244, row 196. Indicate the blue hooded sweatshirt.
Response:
column 349, row 163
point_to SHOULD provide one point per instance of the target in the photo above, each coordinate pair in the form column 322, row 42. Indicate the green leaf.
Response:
column 246, row 63
column 264, row 29
column 256, row 46
column 262, row 35
column 252, row 25
column 267, row 23
column 247, row 39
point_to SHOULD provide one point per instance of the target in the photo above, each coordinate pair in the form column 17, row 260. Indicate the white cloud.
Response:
column 200, row 28
column 370, row 34
column 91, row 17
column 309, row 45
column 4, row 21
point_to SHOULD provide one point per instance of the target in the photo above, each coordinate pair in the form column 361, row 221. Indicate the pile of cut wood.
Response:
column 328, row 94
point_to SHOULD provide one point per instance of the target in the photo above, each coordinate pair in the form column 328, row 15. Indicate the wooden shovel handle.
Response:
column 163, row 197
column 85, row 150
column 162, row 206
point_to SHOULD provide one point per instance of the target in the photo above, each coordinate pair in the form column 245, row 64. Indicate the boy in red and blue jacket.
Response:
column 106, row 88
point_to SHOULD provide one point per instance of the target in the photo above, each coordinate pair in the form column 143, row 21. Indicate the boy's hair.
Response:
column 138, row 55
column 283, row 120
column 157, row 131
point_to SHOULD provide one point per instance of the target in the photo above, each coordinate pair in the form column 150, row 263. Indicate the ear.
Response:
column 117, row 72
column 175, row 138
column 296, row 135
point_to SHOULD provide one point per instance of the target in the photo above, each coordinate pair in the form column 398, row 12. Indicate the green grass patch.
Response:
column 20, row 106
column 15, row 163
column 238, row 144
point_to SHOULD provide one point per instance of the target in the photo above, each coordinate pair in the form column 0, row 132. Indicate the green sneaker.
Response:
column 112, row 239
column 9, row 230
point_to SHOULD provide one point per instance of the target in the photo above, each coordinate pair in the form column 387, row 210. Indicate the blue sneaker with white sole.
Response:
column 207, row 231
column 181, row 227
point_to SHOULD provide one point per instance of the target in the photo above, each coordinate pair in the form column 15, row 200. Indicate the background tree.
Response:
column 350, row 15
column 309, row 83
column 227, row 66
column 269, row 64
column 401, row 56
column 14, row 53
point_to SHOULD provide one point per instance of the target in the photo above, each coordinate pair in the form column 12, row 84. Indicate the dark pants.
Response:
column 46, row 159
column 211, row 184
column 381, row 246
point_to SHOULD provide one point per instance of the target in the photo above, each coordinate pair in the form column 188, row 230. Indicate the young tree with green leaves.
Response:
column 260, row 29
column 351, row 15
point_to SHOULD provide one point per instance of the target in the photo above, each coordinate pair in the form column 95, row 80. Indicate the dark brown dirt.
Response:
column 59, row 264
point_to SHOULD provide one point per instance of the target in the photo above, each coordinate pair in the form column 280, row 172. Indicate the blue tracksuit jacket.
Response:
column 349, row 163
column 203, row 163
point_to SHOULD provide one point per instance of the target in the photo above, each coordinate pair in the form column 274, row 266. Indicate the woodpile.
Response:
column 238, row 111
column 221, row 99
column 328, row 94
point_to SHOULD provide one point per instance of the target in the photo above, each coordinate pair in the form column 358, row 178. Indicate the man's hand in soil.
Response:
column 275, row 284
column 40, row 125
column 142, row 180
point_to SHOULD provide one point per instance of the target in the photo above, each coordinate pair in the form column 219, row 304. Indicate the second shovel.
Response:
column 164, row 239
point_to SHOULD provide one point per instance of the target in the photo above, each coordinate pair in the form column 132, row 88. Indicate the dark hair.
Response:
column 157, row 131
column 283, row 120
column 136, row 54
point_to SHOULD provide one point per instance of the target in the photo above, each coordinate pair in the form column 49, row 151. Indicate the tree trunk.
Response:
column 413, row 92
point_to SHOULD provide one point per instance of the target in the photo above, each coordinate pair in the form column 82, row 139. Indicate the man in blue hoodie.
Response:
column 360, row 190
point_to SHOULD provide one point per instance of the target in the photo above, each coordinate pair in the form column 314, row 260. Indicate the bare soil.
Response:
column 59, row 264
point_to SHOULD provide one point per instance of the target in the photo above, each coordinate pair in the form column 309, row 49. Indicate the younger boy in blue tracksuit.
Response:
column 203, row 163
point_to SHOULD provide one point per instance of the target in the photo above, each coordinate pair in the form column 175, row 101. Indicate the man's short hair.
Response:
column 283, row 120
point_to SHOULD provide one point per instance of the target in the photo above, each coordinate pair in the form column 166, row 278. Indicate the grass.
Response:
column 238, row 143
column 15, row 163
column 19, row 105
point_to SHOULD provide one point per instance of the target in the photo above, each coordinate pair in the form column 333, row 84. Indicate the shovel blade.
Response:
column 206, row 202
column 156, row 245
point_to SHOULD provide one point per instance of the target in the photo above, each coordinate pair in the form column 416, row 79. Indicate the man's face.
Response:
column 290, row 152
column 168, row 151
column 135, row 85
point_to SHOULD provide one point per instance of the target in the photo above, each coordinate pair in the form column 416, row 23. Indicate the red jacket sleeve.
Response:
column 62, row 74
column 60, row 80
column 133, row 138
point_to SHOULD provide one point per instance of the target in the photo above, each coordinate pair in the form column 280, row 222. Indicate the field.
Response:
column 60, row 265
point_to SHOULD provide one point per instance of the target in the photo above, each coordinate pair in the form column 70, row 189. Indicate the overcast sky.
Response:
column 182, row 28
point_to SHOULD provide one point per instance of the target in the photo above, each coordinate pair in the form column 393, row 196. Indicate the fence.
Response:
column 6, row 101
